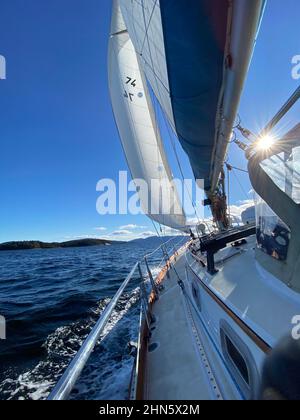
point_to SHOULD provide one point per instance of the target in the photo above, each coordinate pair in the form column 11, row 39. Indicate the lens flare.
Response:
column 265, row 142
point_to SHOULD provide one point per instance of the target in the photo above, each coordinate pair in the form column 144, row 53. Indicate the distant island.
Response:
column 19, row 245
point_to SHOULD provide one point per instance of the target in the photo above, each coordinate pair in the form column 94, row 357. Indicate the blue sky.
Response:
column 58, row 136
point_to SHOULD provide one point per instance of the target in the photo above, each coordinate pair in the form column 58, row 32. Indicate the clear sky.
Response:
column 58, row 135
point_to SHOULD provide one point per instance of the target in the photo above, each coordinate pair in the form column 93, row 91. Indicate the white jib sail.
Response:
column 143, row 21
column 138, row 130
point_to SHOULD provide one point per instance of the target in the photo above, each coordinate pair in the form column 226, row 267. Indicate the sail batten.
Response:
column 138, row 129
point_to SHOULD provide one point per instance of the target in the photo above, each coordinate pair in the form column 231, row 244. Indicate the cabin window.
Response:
column 237, row 359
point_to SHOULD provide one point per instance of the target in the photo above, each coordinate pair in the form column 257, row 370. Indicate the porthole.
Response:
column 240, row 361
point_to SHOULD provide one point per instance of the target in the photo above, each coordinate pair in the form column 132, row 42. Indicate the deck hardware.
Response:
column 152, row 347
column 153, row 319
column 167, row 259
column 212, row 245
column 175, row 253
column 181, row 284
column 237, row 244
column 144, row 298
column 146, row 316
column 132, row 348
column 204, row 358
column 154, row 287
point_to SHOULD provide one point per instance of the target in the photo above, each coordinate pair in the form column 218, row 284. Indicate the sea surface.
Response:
column 51, row 298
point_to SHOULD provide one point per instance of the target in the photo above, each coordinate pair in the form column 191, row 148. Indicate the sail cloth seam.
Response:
column 151, row 58
column 152, row 67
column 152, row 62
column 156, row 77
column 148, row 26
column 120, row 33
column 140, row 34
column 130, row 113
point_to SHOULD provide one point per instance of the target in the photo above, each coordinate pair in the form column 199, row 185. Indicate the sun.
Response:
column 265, row 142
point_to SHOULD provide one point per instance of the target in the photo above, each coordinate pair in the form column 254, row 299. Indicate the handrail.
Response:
column 65, row 385
column 162, row 245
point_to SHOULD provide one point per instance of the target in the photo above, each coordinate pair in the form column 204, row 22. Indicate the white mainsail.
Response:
column 138, row 129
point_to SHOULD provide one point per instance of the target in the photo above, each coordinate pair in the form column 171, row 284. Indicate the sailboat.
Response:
column 224, row 299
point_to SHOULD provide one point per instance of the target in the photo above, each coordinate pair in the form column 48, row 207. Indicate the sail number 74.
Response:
column 132, row 82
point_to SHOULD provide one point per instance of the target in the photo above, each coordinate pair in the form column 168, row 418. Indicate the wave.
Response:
column 99, row 379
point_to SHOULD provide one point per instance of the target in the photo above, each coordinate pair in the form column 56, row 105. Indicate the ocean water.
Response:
column 51, row 299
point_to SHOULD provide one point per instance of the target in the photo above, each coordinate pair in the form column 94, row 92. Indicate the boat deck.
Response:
column 174, row 370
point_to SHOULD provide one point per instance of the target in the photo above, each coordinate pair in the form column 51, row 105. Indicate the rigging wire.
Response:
column 156, row 119
column 228, row 194
column 173, row 144
column 230, row 167
column 240, row 184
column 156, row 108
